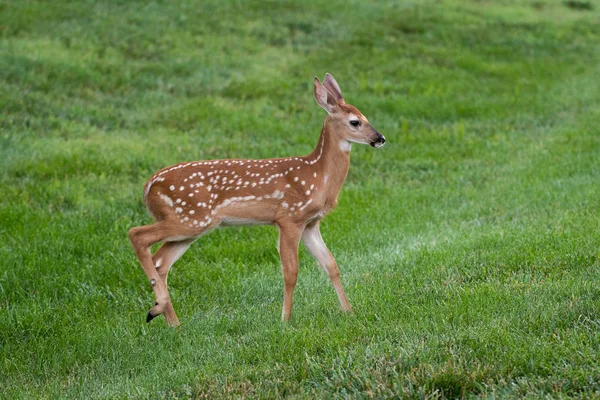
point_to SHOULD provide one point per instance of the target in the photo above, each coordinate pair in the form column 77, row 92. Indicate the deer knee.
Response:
column 134, row 234
column 332, row 271
column 290, row 279
column 335, row 274
column 290, row 282
column 137, row 237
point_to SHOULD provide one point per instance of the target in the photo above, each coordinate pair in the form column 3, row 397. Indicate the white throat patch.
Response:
column 345, row 146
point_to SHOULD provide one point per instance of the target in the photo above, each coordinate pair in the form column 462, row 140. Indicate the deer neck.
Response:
column 332, row 161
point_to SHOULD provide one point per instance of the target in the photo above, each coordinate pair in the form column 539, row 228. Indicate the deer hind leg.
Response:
column 316, row 246
column 289, row 236
column 167, row 255
column 142, row 238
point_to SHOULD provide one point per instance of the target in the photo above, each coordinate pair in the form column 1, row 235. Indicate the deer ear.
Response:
column 330, row 84
column 324, row 98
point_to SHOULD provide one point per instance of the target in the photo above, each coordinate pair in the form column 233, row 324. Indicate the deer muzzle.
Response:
column 378, row 141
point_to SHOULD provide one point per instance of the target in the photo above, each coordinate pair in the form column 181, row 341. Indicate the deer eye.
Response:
column 355, row 123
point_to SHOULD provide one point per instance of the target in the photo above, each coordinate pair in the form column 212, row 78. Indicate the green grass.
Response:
column 468, row 246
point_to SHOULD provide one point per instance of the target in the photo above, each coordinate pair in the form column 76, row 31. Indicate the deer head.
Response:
column 347, row 121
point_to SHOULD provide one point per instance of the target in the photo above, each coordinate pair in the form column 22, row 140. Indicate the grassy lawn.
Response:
column 468, row 246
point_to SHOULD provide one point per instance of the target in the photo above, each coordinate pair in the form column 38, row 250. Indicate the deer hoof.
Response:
column 152, row 313
column 150, row 317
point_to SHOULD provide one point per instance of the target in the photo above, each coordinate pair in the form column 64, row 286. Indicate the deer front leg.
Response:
column 314, row 243
column 167, row 255
column 289, row 237
column 142, row 238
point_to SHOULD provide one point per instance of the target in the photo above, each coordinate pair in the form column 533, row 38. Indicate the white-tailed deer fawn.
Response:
column 293, row 193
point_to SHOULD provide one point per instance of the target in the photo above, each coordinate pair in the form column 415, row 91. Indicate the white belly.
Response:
column 235, row 221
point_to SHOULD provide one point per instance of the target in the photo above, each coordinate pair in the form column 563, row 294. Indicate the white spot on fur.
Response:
column 166, row 199
column 307, row 203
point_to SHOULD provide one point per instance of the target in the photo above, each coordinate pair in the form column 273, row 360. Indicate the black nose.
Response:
column 379, row 141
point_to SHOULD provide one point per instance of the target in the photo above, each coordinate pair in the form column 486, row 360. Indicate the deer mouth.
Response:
column 379, row 142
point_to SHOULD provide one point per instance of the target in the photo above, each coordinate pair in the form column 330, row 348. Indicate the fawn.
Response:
column 189, row 199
